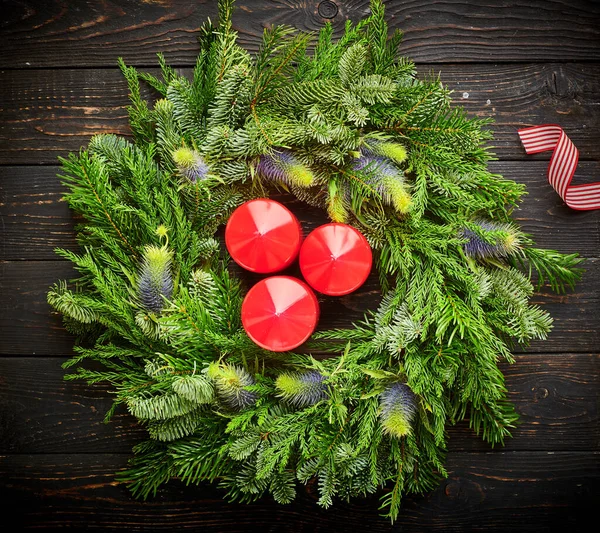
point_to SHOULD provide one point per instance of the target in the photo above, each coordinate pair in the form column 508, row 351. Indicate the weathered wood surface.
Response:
column 29, row 327
column 47, row 113
column 501, row 491
column 522, row 63
column 43, row 33
column 557, row 398
column 36, row 220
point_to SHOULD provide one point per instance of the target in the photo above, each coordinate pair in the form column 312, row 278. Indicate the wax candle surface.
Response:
column 280, row 313
column 263, row 236
column 335, row 259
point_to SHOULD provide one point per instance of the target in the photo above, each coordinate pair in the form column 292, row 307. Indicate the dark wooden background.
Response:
column 525, row 63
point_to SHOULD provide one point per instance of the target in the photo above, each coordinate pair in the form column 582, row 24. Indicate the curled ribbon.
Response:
column 562, row 165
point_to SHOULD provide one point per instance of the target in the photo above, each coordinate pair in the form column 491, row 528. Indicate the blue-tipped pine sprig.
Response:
column 302, row 388
column 191, row 164
column 500, row 246
column 284, row 167
column 398, row 407
column 386, row 179
column 396, row 152
column 231, row 382
column 155, row 281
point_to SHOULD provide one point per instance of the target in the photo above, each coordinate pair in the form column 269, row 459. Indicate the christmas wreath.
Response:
column 348, row 128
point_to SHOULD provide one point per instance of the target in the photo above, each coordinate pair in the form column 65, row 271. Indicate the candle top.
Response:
column 263, row 236
column 335, row 259
column 280, row 313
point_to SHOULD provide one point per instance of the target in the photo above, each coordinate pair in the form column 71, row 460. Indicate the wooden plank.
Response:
column 29, row 328
column 27, row 324
column 544, row 215
column 576, row 323
column 58, row 34
column 48, row 113
column 517, row 96
column 43, row 413
column 35, row 221
column 518, row 491
column 54, row 112
column 557, row 398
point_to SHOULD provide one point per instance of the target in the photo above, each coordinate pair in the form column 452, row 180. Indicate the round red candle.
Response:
column 335, row 259
column 263, row 236
column 280, row 313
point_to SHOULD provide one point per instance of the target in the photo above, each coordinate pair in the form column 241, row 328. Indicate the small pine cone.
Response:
column 386, row 179
column 477, row 248
column 391, row 150
column 283, row 167
column 398, row 408
column 155, row 281
column 302, row 388
column 231, row 382
column 190, row 164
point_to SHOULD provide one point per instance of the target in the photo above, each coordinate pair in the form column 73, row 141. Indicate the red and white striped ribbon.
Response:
column 562, row 165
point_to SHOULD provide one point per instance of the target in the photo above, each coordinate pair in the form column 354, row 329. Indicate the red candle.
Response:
column 263, row 236
column 335, row 259
column 280, row 313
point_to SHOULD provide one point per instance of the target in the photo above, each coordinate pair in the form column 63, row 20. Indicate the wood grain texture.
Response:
column 40, row 412
column 52, row 33
column 27, row 324
column 35, row 220
column 45, row 114
column 30, row 328
column 497, row 491
column 521, row 63
column 556, row 397
column 571, row 313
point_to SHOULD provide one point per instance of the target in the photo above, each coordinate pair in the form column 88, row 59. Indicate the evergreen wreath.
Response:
column 348, row 128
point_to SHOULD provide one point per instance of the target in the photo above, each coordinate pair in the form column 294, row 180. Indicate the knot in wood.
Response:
column 540, row 393
column 328, row 9
column 452, row 490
